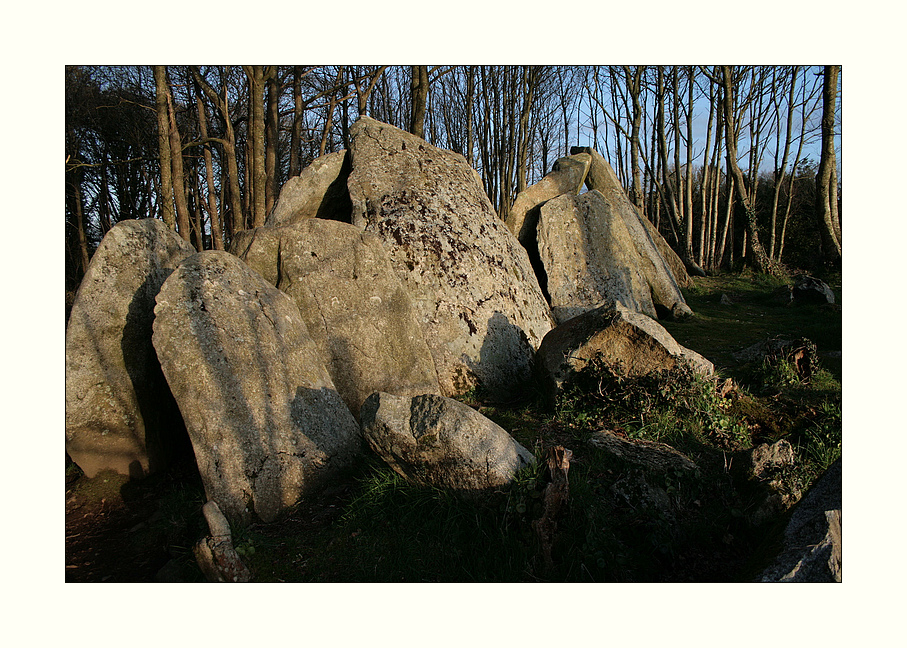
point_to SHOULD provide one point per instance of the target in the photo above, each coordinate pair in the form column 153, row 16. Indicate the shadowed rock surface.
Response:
column 433, row 440
column 319, row 191
column 261, row 410
column 472, row 286
column 119, row 412
column 812, row 539
column 675, row 263
column 809, row 290
column 353, row 305
column 649, row 454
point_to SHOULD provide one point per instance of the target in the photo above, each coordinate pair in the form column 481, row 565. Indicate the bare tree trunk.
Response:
column 670, row 202
column 217, row 235
column 329, row 121
column 633, row 86
column 296, row 132
column 688, row 192
column 84, row 257
column 163, row 140
column 781, row 169
column 272, row 123
column 419, row 98
column 229, row 146
column 705, row 230
column 760, row 258
column 826, row 190
column 470, row 102
column 176, row 166
column 256, row 78
column 528, row 79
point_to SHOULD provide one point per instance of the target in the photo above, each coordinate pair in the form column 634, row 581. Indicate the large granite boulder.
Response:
column 589, row 257
column 812, row 539
column 470, row 280
column 353, row 305
column 265, row 421
column 665, row 292
column 629, row 342
column 566, row 177
column 433, row 440
column 319, row 191
column 120, row 415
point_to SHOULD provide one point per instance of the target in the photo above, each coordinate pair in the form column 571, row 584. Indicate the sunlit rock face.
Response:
column 120, row 415
column 566, row 177
column 589, row 257
column 319, row 191
column 266, row 423
column 658, row 272
column 353, row 304
column 628, row 342
column 471, row 283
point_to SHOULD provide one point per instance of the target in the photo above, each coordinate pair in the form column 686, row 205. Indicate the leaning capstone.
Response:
column 319, row 191
column 630, row 343
column 265, row 421
column 471, row 282
column 432, row 440
column 120, row 415
column 353, row 304
column 566, row 177
column 589, row 257
column 666, row 293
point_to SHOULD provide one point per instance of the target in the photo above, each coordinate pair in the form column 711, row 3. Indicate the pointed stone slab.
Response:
column 265, row 421
column 627, row 341
column 665, row 291
column 319, row 191
column 589, row 257
column 432, row 440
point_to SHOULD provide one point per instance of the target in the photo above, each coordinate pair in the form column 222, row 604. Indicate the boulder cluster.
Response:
column 382, row 285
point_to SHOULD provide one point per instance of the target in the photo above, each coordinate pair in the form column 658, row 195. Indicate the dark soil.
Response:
column 143, row 531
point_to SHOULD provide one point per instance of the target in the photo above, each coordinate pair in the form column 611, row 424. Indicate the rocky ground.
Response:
column 373, row 527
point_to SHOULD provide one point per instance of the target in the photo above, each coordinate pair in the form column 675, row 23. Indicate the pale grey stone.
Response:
column 629, row 342
column 319, row 191
column 665, row 291
column 589, row 257
column 353, row 304
column 264, row 418
column 120, row 415
column 566, row 177
column 812, row 539
column 433, row 440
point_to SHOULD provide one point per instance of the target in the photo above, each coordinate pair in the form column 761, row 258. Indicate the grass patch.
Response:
column 623, row 522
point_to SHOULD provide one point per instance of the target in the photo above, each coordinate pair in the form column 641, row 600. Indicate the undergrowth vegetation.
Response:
column 624, row 522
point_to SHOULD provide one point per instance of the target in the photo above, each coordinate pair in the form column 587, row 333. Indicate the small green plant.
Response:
column 820, row 444
column 672, row 406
